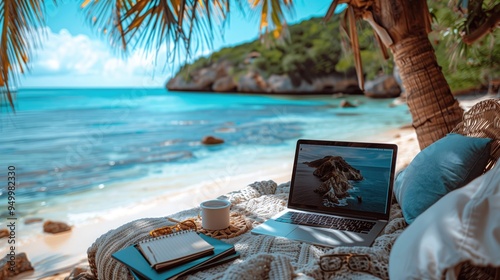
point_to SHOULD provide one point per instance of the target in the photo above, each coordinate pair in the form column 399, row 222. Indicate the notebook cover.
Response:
column 132, row 258
column 210, row 264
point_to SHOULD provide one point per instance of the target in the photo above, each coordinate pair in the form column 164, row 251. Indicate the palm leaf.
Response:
column 383, row 48
column 353, row 35
column 106, row 16
column 177, row 23
column 20, row 21
column 272, row 15
column 331, row 10
column 150, row 24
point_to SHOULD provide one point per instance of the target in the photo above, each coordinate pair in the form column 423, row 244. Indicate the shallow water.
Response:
column 78, row 152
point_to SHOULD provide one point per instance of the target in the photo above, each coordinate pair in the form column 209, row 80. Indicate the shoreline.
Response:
column 55, row 255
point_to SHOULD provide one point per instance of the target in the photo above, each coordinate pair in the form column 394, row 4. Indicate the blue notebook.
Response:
column 198, row 268
column 133, row 259
column 164, row 252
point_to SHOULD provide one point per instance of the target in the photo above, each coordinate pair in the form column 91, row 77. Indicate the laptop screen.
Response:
column 343, row 178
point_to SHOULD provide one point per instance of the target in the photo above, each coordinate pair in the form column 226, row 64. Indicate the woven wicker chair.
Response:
column 482, row 120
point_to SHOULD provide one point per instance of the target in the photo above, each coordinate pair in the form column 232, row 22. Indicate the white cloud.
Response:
column 52, row 64
column 66, row 60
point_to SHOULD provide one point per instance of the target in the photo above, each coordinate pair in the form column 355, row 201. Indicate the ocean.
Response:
column 77, row 153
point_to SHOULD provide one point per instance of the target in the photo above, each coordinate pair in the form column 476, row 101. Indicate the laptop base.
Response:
column 317, row 236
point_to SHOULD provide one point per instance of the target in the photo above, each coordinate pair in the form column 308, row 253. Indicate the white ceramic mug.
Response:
column 215, row 214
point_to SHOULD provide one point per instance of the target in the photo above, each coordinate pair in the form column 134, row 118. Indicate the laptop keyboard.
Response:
column 326, row 222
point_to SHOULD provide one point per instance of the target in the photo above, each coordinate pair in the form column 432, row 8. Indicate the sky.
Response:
column 73, row 54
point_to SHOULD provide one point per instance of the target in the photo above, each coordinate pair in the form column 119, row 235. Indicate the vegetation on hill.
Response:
column 314, row 49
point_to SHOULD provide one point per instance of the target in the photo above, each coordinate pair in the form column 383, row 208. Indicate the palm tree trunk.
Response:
column 435, row 111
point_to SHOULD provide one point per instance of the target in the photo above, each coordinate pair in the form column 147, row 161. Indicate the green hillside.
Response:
column 315, row 49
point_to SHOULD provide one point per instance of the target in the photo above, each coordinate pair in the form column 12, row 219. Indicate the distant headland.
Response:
column 335, row 174
column 311, row 61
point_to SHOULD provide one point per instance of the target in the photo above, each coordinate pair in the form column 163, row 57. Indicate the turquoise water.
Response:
column 77, row 152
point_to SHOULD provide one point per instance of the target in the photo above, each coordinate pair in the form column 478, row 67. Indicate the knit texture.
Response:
column 262, row 257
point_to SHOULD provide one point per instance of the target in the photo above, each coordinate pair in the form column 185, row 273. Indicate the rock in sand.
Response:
column 211, row 140
column 55, row 227
column 12, row 266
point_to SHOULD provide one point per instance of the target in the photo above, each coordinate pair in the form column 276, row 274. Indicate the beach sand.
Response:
column 54, row 256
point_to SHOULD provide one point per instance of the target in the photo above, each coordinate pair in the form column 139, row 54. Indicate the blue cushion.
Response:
column 446, row 165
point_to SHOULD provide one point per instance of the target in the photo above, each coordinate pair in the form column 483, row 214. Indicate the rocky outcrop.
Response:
column 211, row 140
column 30, row 221
column 218, row 77
column 180, row 83
column 383, row 87
column 283, row 84
column 332, row 83
column 225, row 76
column 244, row 75
column 224, row 84
column 330, row 166
column 200, row 79
column 336, row 174
column 252, row 82
column 80, row 272
column 346, row 104
column 13, row 264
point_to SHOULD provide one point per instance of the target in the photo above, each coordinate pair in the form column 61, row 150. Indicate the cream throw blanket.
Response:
column 262, row 257
column 462, row 226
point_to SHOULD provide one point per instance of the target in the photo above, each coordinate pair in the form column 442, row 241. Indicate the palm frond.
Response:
column 179, row 24
column 272, row 15
column 353, row 35
column 481, row 17
column 106, row 16
column 381, row 44
column 151, row 24
column 20, row 21
column 333, row 9
column 348, row 27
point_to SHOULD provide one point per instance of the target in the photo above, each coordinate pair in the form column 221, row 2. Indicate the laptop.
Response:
column 340, row 194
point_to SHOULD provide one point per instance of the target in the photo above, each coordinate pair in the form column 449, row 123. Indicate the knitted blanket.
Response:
column 262, row 257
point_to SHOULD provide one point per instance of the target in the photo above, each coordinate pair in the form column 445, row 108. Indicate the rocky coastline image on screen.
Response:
column 342, row 177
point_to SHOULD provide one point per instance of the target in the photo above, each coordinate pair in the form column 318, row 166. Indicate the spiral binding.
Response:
column 166, row 236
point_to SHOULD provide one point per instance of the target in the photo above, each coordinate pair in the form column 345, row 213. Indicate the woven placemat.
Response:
column 238, row 225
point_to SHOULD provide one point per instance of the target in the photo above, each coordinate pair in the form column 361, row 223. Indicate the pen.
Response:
column 152, row 254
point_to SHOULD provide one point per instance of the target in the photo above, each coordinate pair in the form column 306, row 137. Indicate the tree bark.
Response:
column 434, row 109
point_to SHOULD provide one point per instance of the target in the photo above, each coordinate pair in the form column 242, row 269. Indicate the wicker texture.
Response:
column 470, row 271
column 483, row 120
column 238, row 225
